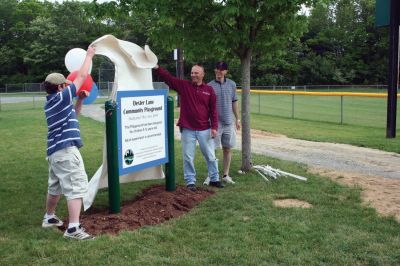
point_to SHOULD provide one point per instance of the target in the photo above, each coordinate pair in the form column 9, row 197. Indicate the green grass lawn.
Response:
column 238, row 225
column 358, row 111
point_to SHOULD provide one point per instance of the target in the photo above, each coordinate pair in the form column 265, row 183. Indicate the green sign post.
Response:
column 170, row 166
column 112, row 156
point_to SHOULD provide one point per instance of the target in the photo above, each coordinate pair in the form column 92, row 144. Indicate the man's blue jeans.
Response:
column 206, row 143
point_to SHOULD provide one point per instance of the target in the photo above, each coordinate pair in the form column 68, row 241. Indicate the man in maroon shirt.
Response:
column 198, row 121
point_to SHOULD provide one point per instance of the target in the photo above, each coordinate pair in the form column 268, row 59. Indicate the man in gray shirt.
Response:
column 228, row 116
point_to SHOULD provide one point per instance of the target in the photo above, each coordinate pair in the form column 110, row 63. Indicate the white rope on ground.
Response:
column 263, row 176
column 266, row 170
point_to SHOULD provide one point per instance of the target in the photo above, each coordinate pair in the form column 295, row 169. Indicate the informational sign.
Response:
column 142, row 129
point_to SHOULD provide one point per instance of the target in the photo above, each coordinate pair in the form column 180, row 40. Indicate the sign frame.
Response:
column 136, row 94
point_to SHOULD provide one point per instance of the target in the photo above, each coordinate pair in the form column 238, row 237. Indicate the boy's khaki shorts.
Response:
column 67, row 173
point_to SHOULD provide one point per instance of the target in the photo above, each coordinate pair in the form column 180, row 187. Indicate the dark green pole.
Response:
column 112, row 156
column 393, row 69
column 170, row 167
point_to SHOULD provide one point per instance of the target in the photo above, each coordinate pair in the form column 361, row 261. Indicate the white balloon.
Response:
column 74, row 59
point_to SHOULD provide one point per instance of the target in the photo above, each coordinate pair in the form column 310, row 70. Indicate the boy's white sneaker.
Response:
column 228, row 179
column 50, row 222
column 206, row 181
column 77, row 233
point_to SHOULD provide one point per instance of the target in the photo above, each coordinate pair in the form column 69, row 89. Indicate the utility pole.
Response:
column 393, row 69
column 180, row 64
column 178, row 56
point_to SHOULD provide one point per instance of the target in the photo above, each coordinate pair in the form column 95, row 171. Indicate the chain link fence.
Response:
column 33, row 95
column 337, row 88
column 106, row 87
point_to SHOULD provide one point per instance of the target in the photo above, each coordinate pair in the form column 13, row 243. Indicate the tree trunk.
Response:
column 245, row 62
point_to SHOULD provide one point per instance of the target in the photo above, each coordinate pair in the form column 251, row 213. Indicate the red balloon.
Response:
column 87, row 84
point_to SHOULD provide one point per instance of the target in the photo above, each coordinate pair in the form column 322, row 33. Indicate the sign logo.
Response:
column 128, row 157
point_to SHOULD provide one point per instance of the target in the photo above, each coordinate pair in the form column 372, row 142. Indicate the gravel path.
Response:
column 377, row 172
column 333, row 156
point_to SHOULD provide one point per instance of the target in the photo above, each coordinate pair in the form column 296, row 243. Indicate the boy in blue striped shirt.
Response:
column 66, row 169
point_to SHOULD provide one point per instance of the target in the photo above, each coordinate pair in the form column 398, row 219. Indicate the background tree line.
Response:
column 337, row 43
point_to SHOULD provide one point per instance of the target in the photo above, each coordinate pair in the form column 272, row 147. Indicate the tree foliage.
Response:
column 226, row 29
column 340, row 46
column 36, row 35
